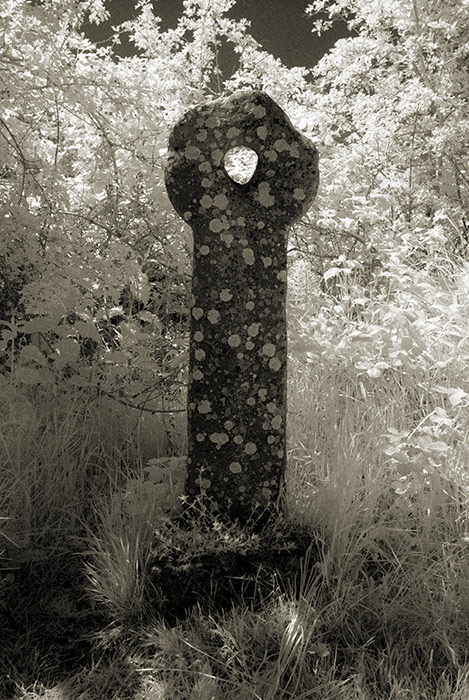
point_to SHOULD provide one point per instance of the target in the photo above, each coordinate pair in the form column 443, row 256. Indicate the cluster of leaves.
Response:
column 94, row 288
column 95, row 265
column 387, row 238
column 390, row 110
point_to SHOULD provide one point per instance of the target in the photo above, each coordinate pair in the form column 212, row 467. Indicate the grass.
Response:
column 365, row 594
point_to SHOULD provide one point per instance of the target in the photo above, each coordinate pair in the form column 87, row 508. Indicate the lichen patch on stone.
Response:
column 192, row 152
column 220, row 201
column 268, row 349
column 225, row 295
column 213, row 316
column 275, row 365
column 248, row 255
column 215, row 225
column 281, row 145
column 206, row 201
column 263, row 195
column 299, row 193
column 276, row 422
column 234, row 340
column 204, row 406
column 227, row 239
column 219, row 439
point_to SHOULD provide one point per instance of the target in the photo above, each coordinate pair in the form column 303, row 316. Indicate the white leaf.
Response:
column 27, row 375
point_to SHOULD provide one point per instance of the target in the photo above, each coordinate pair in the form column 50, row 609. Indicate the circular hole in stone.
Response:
column 240, row 164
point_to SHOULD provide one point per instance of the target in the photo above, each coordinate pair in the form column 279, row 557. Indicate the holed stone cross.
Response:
column 238, row 340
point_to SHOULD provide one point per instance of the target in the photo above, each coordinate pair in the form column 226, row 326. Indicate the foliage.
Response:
column 94, row 288
column 94, row 298
column 95, row 263
column 391, row 111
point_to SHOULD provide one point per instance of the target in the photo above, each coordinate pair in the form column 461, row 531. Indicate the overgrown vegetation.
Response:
column 358, row 591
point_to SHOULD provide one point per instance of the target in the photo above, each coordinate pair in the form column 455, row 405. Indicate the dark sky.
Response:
column 280, row 26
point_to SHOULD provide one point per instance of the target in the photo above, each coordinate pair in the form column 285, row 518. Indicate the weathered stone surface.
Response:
column 238, row 348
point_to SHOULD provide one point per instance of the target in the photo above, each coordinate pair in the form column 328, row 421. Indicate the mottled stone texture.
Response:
column 238, row 348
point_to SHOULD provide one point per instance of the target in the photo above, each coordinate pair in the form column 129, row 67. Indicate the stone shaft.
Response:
column 238, row 344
